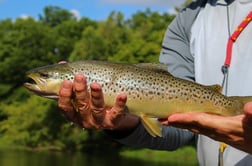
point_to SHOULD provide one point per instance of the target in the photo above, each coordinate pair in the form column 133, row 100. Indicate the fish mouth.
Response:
column 37, row 85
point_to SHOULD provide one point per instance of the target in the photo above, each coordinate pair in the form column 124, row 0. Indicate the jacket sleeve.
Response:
column 172, row 138
column 175, row 52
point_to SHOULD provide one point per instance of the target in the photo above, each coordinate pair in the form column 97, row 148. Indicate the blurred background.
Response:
column 37, row 33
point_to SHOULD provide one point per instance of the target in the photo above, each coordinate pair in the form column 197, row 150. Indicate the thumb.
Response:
column 248, row 111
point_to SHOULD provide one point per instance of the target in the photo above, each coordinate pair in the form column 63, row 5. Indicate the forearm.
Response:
column 172, row 138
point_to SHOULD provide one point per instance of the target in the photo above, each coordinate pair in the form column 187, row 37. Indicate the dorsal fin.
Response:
column 216, row 88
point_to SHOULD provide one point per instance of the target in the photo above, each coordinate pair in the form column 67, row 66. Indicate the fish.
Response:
column 152, row 92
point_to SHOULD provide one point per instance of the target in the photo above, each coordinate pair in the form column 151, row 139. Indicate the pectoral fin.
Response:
column 152, row 126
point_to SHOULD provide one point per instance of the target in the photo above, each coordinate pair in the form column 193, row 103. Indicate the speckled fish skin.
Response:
column 149, row 93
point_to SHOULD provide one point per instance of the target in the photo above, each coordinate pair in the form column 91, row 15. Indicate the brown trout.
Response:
column 151, row 91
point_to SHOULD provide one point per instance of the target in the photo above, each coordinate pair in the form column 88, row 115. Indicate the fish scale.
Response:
column 151, row 90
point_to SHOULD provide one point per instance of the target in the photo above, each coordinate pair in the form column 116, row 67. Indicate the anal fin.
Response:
column 152, row 126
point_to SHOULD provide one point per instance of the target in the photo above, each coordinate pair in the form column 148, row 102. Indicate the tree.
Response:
column 99, row 42
column 68, row 33
column 146, row 31
column 54, row 16
column 183, row 5
column 24, row 45
column 91, row 46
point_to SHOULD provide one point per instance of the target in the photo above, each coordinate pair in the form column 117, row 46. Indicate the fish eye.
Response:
column 56, row 75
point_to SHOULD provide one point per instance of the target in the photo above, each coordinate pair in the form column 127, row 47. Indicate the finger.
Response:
column 184, row 118
column 65, row 100
column 97, row 105
column 247, row 121
column 120, row 103
column 116, row 113
column 81, row 100
column 65, row 94
column 97, row 98
column 164, row 121
column 193, row 120
column 177, row 119
column 80, row 87
column 190, row 121
column 248, row 111
column 118, row 108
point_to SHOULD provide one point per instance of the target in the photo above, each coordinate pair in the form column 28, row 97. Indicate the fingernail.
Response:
column 67, row 86
column 78, row 79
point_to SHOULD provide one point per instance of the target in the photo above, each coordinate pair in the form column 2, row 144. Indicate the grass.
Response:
column 183, row 156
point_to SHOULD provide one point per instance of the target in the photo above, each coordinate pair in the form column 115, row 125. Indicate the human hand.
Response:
column 92, row 111
column 235, row 131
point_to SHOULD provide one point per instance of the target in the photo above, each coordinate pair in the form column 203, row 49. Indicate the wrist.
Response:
column 129, row 122
column 125, row 128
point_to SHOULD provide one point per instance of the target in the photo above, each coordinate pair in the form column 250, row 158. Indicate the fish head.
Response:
column 46, row 81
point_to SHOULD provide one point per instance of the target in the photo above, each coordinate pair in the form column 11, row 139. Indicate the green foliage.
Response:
column 23, row 127
column 182, row 156
column 37, row 122
column 23, row 46
column 4, row 89
column 183, row 5
column 91, row 46
column 67, row 33
column 31, row 121
column 54, row 16
column 134, row 40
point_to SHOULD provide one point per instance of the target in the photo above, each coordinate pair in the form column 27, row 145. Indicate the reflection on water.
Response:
column 28, row 158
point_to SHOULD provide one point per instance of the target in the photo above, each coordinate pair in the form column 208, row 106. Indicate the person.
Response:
column 194, row 48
